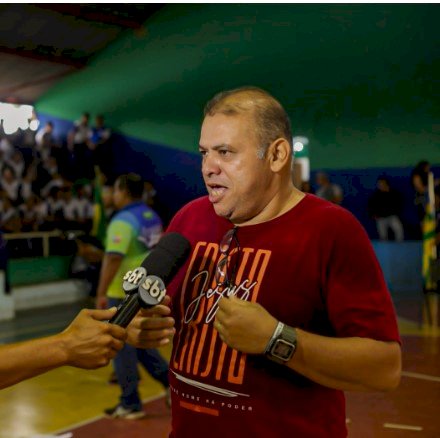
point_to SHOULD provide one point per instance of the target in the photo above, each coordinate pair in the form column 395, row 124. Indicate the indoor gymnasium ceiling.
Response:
column 331, row 60
column 42, row 43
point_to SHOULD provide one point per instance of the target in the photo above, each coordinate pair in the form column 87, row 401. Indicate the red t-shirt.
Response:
column 312, row 268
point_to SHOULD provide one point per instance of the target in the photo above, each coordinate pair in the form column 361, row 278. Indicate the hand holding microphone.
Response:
column 145, row 287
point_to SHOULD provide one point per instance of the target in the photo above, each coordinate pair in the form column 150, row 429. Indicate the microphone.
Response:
column 146, row 286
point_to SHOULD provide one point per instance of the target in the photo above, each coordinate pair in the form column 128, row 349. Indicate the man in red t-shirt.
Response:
column 282, row 304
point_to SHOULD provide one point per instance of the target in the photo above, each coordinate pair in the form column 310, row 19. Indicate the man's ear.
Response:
column 279, row 153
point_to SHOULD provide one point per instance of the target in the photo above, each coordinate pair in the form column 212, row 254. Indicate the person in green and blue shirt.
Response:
column 131, row 234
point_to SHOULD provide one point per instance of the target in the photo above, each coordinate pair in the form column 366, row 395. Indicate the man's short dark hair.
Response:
column 132, row 183
column 271, row 120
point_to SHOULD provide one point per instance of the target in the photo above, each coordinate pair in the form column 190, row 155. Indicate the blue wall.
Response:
column 401, row 264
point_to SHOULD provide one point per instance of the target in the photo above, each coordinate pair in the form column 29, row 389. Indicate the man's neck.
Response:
column 282, row 202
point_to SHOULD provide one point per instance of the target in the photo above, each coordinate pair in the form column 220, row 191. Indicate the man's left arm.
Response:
column 349, row 364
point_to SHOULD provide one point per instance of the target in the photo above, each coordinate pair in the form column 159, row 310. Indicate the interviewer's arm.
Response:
column 88, row 343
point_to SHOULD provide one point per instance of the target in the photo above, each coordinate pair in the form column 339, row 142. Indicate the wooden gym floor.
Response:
column 69, row 402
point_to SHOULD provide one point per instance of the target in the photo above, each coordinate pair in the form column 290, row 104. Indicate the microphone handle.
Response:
column 127, row 310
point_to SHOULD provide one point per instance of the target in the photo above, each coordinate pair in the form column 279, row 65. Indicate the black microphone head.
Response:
column 167, row 256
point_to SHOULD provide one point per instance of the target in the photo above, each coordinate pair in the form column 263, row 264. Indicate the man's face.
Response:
column 238, row 182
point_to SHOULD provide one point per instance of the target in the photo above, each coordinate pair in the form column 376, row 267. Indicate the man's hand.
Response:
column 91, row 342
column 245, row 326
column 152, row 328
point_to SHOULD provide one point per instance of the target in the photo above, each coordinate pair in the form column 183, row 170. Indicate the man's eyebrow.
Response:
column 216, row 147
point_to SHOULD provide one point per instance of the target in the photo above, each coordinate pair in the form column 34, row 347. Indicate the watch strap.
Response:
column 275, row 334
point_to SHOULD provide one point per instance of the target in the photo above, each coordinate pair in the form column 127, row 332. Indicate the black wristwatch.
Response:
column 282, row 345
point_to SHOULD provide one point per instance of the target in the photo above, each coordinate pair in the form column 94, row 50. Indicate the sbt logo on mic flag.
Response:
column 151, row 287
column 132, row 279
column 152, row 290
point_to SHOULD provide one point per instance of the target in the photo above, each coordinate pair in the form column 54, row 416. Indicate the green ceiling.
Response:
column 361, row 81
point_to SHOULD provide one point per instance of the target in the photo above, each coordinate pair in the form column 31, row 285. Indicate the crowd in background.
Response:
column 45, row 185
column 48, row 185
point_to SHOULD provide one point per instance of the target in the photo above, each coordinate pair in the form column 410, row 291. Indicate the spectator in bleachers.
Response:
column 78, row 143
column 10, row 184
column 44, row 141
column 99, row 143
column 56, row 181
column 45, row 170
column 42, row 211
column 328, row 190
column 29, row 214
column 50, row 164
column 29, row 185
column 2, row 159
column 385, row 206
column 77, row 212
column 10, row 216
column 71, row 213
column 55, row 210
column 16, row 162
column 6, row 147
column 80, row 132
column 85, row 207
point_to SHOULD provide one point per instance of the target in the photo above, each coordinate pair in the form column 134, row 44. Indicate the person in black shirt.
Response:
column 384, row 207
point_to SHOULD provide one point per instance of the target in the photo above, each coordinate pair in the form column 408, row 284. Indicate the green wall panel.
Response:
column 361, row 81
column 38, row 270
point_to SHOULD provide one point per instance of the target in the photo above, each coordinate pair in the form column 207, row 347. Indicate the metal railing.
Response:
column 44, row 235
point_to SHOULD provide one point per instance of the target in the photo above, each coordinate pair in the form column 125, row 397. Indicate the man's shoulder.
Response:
column 325, row 210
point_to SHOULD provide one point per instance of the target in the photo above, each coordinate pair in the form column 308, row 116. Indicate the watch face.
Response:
column 283, row 349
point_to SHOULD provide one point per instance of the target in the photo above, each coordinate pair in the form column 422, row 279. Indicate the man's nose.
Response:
column 210, row 165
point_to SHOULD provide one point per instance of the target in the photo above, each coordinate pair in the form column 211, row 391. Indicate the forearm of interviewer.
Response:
column 88, row 342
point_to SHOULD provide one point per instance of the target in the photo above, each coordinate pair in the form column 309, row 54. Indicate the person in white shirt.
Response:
column 9, row 183
column 16, row 162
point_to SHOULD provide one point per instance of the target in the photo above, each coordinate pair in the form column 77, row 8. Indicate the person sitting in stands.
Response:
column 16, row 163
column 99, row 143
column 10, row 184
